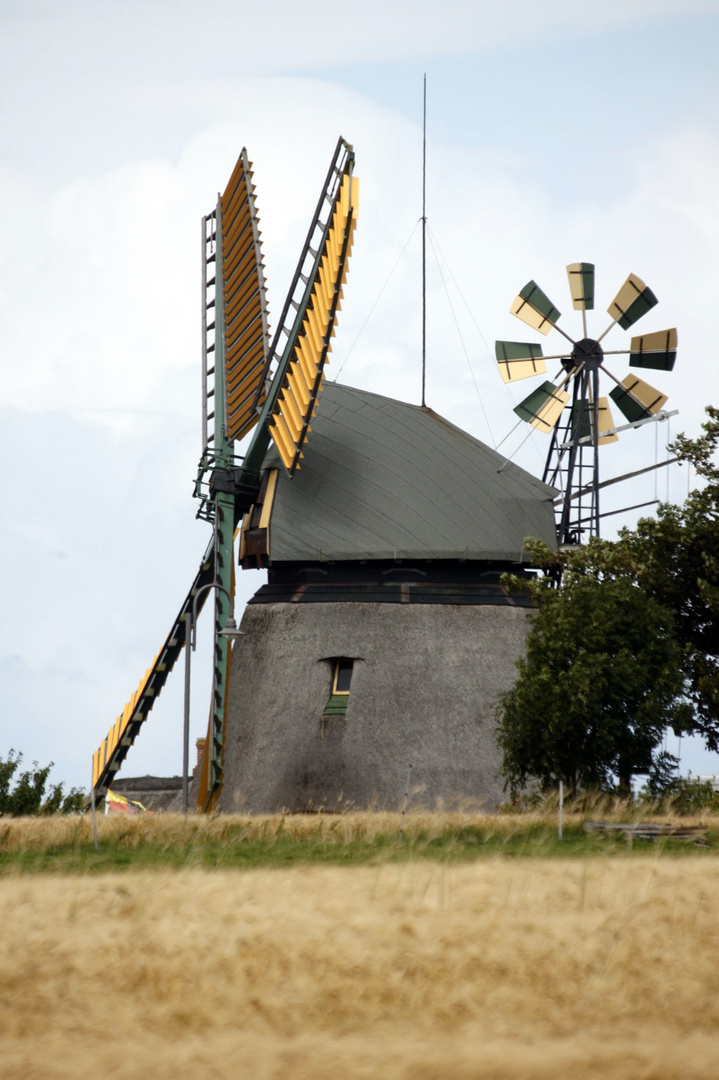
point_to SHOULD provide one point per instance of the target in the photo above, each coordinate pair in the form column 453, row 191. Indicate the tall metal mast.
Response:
column 424, row 243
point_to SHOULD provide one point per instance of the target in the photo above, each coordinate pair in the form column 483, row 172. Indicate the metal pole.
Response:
column 561, row 807
column 186, row 726
column 406, row 797
column 595, row 479
column 424, row 242
column 190, row 621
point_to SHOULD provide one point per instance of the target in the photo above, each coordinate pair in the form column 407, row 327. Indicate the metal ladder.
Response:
column 209, row 371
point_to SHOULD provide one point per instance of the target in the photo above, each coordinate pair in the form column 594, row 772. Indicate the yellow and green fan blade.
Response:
column 535, row 308
column 637, row 399
column 519, row 360
column 658, row 351
column 581, row 285
column 543, row 407
column 605, row 422
column 632, row 301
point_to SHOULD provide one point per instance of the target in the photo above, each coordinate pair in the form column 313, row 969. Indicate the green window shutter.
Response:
column 336, row 706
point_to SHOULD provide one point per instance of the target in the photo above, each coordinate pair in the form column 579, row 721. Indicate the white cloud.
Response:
column 166, row 37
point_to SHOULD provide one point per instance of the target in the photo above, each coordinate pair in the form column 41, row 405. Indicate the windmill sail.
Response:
column 581, row 285
column 307, row 324
column 113, row 750
column 658, row 350
column 247, row 385
column 293, row 410
column 542, row 408
column 519, row 360
column 632, row 301
column 244, row 301
column 535, row 308
column 235, row 332
column 293, row 373
column 637, row 399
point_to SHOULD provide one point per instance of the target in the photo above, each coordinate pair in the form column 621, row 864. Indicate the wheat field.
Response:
column 418, row 828
column 500, row 968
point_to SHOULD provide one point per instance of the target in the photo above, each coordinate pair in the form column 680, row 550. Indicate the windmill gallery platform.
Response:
column 383, row 635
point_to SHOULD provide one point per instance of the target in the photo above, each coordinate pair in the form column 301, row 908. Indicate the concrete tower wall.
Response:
column 424, row 688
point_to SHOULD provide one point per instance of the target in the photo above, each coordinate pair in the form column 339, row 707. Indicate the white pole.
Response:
column 406, row 799
column 561, row 807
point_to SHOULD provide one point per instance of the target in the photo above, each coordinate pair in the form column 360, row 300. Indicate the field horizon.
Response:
column 65, row 843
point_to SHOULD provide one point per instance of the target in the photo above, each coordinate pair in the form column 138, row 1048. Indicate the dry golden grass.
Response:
column 40, row 834
column 505, row 969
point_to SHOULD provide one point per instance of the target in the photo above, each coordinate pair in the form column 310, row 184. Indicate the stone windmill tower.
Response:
column 383, row 635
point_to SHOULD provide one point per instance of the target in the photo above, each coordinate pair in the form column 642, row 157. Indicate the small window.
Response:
column 342, row 676
column 339, row 688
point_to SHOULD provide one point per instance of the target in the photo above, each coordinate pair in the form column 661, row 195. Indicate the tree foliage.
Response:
column 671, row 560
column 28, row 793
column 598, row 686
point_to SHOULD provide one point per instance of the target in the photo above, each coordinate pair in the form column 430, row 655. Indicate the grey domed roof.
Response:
column 382, row 479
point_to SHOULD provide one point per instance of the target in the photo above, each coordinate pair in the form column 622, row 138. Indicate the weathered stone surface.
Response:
column 424, row 688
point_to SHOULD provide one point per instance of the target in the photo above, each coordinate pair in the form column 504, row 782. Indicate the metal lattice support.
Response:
column 224, row 512
column 573, row 465
column 209, row 254
column 223, row 516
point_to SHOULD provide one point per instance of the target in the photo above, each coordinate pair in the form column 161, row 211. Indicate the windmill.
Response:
column 384, row 633
column 577, row 431
column 247, row 384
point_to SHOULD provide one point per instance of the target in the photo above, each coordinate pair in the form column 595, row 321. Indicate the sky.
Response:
column 556, row 133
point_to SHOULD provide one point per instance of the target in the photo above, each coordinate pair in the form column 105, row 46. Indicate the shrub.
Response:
column 28, row 792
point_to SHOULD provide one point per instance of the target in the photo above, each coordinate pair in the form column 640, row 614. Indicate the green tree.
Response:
column 674, row 558
column 28, row 794
column 599, row 685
